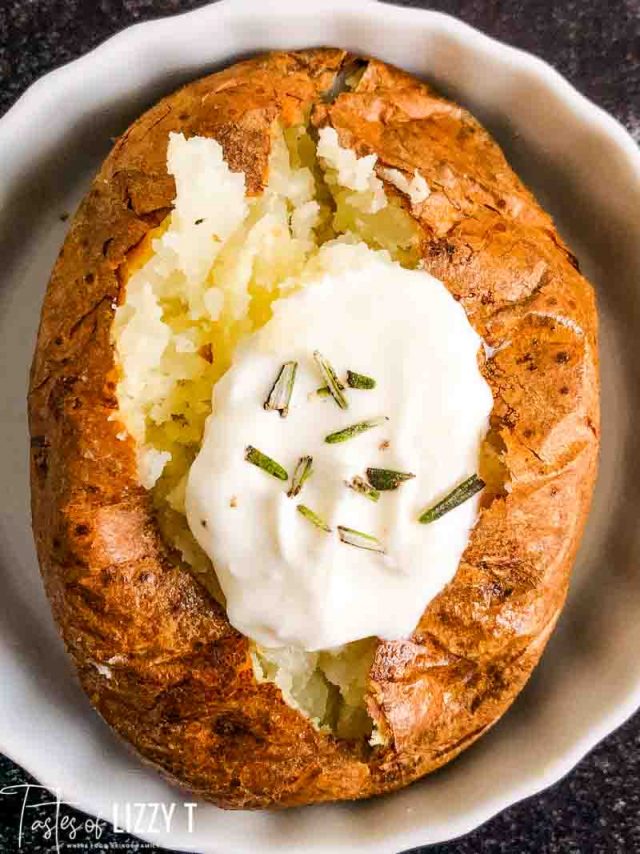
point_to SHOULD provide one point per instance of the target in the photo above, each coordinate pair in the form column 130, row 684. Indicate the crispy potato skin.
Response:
column 155, row 654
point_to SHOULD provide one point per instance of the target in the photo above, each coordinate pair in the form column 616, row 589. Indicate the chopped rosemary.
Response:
column 331, row 379
column 323, row 391
column 465, row 490
column 360, row 540
column 313, row 518
column 300, row 475
column 385, row 479
column 354, row 430
column 257, row 458
column 199, row 221
column 280, row 394
column 359, row 484
column 355, row 380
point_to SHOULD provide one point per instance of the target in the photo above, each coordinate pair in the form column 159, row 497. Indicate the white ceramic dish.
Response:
column 583, row 166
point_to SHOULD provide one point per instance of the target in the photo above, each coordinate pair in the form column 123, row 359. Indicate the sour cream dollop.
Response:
column 286, row 581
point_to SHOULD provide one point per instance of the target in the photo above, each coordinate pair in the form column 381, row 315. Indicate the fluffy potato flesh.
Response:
column 175, row 336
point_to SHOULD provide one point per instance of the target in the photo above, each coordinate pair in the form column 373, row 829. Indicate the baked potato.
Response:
column 138, row 603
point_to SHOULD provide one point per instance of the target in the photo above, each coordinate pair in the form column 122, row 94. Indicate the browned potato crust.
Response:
column 182, row 689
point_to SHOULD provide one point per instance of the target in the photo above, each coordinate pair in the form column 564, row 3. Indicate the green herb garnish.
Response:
column 331, row 379
column 280, row 395
column 323, row 391
column 313, row 518
column 385, row 479
column 300, row 475
column 262, row 461
column 463, row 492
column 354, row 430
column 359, row 484
column 360, row 540
column 199, row 221
column 360, row 381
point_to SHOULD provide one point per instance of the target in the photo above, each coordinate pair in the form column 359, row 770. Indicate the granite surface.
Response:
column 596, row 44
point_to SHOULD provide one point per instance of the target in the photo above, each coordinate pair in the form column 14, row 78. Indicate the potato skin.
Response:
column 155, row 654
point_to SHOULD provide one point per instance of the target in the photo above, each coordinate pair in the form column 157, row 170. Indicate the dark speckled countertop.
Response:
column 596, row 45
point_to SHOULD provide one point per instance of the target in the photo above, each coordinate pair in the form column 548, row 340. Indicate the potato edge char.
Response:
column 153, row 650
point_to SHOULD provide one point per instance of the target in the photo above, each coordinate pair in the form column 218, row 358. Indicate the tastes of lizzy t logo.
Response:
column 44, row 817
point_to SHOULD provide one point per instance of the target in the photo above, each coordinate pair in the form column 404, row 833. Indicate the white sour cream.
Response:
column 287, row 582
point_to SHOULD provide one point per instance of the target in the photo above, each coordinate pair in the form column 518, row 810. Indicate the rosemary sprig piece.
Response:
column 312, row 517
column 463, row 492
column 359, row 484
column 331, row 380
column 323, row 391
column 300, row 475
column 354, row 430
column 262, row 461
column 280, row 395
column 362, row 381
column 385, row 479
column 360, row 540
